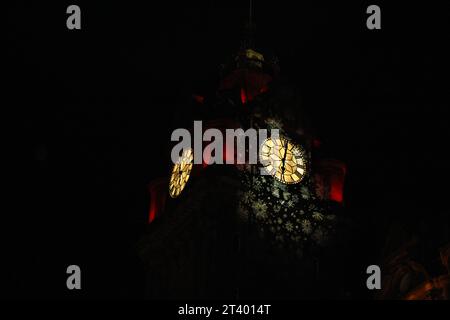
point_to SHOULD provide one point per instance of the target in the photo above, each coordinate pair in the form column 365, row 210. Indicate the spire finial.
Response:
column 250, row 15
column 249, row 29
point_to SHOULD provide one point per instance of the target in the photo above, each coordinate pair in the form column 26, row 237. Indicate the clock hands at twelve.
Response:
column 283, row 168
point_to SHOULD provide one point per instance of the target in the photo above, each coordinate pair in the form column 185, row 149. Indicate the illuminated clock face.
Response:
column 180, row 173
column 283, row 159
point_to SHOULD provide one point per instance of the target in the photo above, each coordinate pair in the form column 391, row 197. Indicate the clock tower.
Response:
column 228, row 231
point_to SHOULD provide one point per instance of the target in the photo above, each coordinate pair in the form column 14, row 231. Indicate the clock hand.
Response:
column 284, row 159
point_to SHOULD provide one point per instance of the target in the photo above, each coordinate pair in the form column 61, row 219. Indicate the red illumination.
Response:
column 158, row 194
column 264, row 89
column 330, row 179
column 222, row 125
column 152, row 213
column 198, row 99
column 227, row 153
column 243, row 96
column 206, row 158
column 336, row 189
column 316, row 143
column 254, row 82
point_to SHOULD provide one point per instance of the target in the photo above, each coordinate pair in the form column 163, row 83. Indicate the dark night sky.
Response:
column 89, row 115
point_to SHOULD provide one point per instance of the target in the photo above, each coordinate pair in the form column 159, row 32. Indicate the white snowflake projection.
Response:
column 295, row 198
column 258, row 184
column 319, row 235
column 317, row 216
column 289, row 226
column 291, row 215
column 306, row 227
column 248, row 197
column 290, row 204
column 276, row 193
column 286, row 195
column 260, row 209
column 304, row 192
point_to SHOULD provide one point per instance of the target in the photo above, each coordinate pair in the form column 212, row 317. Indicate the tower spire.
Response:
column 248, row 41
column 250, row 15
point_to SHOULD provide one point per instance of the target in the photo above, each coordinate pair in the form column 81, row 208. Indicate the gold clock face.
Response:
column 180, row 173
column 283, row 159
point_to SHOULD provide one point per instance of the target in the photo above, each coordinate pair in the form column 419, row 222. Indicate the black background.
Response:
column 88, row 115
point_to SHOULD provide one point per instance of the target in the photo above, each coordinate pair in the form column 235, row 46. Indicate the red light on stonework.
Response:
column 206, row 157
column 157, row 190
column 152, row 213
column 198, row 99
column 264, row 89
column 330, row 179
column 243, row 96
column 336, row 190
column 316, row 143
column 229, row 154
